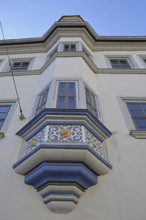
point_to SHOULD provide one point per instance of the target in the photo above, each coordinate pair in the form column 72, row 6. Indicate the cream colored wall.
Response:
column 119, row 194
column 101, row 61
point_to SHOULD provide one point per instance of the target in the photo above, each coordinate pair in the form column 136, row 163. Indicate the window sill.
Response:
column 2, row 135
column 138, row 134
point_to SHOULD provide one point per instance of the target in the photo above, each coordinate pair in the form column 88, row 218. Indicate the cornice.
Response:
column 76, row 28
column 82, row 55
column 120, row 71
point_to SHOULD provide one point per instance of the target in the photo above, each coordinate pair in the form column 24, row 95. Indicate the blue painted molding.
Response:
column 64, row 146
column 55, row 111
column 61, row 173
column 65, row 194
column 64, row 123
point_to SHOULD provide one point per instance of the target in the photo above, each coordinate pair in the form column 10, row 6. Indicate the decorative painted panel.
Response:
column 65, row 134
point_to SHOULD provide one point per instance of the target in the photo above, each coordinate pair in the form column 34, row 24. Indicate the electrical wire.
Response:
column 21, row 116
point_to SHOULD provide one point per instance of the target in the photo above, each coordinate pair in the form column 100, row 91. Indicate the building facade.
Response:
column 79, row 151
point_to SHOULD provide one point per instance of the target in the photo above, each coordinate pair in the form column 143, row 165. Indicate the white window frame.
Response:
column 96, row 101
column 129, row 59
column 30, row 60
column 128, row 119
column 37, row 100
column 13, row 104
column 61, row 46
column 142, row 58
column 80, row 95
column 76, row 90
column 52, row 52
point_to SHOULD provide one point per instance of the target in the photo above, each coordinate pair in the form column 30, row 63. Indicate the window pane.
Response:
column 3, row 115
column 16, row 64
column 4, row 108
column 1, row 124
column 140, row 123
column 61, row 102
column 133, row 106
column 93, row 100
column 66, row 47
column 71, row 103
column 136, row 113
column 144, row 107
column 24, row 64
column 73, row 47
column 71, row 89
column 62, row 89
column 90, row 102
column 42, row 99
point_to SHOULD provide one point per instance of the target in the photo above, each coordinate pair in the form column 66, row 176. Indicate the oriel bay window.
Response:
column 67, row 95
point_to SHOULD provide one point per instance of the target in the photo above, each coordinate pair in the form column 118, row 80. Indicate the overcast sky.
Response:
column 32, row 18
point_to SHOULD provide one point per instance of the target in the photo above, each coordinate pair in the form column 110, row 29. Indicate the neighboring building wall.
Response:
column 120, row 194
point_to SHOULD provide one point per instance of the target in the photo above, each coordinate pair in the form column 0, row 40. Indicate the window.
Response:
column 91, row 102
column 66, row 97
column 137, row 111
column 120, row 63
column 17, row 66
column 42, row 100
column 51, row 54
column 69, row 47
column 4, row 110
column 143, row 60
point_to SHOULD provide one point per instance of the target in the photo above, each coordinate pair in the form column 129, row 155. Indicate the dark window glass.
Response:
column 66, row 95
column 19, row 66
column 120, row 64
column 91, row 102
column 42, row 99
column 138, row 114
column 4, row 110
column 69, row 47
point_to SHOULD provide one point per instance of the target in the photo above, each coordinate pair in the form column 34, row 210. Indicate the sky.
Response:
column 32, row 18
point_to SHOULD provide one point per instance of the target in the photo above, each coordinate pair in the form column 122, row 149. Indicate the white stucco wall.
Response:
column 118, row 195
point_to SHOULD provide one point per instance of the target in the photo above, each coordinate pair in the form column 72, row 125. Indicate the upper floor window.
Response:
column 143, row 60
column 18, row 66
column 123, row 62
column 137, row 111
column 69, row 47
column 51, row 54
column 4, row 110
column 91, row 102
column 120, row 63
column 66, row 97
column 41, row 101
